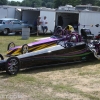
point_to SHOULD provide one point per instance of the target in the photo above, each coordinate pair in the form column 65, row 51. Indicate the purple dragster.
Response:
column 13, row 50
column 40, row 44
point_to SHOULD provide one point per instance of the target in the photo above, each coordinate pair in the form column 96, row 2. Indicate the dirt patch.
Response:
column 74, row 82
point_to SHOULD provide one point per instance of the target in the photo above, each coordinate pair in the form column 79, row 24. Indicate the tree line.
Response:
column 49, row 3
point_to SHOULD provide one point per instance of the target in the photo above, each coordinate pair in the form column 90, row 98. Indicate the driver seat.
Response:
column 86, row 34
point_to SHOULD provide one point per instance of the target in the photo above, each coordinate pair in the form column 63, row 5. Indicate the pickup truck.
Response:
column 8, row 25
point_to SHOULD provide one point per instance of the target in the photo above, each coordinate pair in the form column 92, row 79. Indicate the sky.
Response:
column 16, row 0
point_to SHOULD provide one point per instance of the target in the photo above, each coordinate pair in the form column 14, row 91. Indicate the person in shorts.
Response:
column 38, row 25
column 44, row 25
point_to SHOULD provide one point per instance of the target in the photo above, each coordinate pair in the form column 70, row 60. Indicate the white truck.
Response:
column 8, row 25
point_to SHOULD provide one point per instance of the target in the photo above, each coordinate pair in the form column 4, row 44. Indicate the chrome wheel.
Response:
column 24, row 49
column 11, row 45
column 12, row 65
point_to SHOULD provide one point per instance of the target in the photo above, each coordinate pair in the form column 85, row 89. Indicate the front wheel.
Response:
column 12, row 65
column 11, row 45
column 24, row 49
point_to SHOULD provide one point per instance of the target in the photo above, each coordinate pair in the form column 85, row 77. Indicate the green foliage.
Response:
column 51, row 3
column 13, row 3
column 57, row 3
column 88, row 2
column 3, row 2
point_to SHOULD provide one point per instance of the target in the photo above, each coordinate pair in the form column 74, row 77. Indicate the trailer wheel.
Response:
column 11, row 45
column 24, row 49
column 12, row 65
column 2, row 58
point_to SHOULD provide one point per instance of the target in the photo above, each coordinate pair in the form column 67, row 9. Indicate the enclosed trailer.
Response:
column 64, row 18
column 89, row 19
column 79, row 19
column 10, row 12
column 31, row 15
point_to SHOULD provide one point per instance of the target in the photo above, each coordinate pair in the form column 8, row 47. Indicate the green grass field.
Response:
column 79, row 81
column 5, row 40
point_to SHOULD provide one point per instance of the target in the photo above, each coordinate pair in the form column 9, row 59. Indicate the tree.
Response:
column 84, row 2
column 43, row 4
column 71, row 2
column 3, row 2
column 57, row 3
column 97, row 2
column 49, row 5
column 13, row 3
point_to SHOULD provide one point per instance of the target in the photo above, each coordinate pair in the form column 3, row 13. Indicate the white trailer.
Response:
column 83, row 19
column 6, row 12
column 31, row 15
column 10, row 12
column 89, row 19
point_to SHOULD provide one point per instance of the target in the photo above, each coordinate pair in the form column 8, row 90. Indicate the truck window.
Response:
column 16, row 22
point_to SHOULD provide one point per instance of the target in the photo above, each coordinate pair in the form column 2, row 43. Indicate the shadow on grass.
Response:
column 51, row 68
column 59, row 67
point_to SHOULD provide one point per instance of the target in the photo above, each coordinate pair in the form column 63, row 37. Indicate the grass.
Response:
column 5, row 40
column 79, row 81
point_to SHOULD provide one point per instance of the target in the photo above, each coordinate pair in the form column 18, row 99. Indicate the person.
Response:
column 38, row 25
column 69, row 29
column 44, row 25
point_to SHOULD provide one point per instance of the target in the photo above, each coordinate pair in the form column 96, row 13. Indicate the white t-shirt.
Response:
column 44, row 22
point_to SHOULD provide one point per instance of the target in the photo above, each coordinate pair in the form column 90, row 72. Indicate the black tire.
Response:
column 2, row 58
column 5, row 31
column 12, row 65
column 10, row 45
column 24, row 49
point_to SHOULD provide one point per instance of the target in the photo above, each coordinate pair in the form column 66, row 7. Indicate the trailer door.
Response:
column 50, row 18
column 88, row 19
column 4, row 12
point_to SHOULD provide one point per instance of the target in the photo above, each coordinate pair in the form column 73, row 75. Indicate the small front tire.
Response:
column 11, row 45
column 24, row 49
